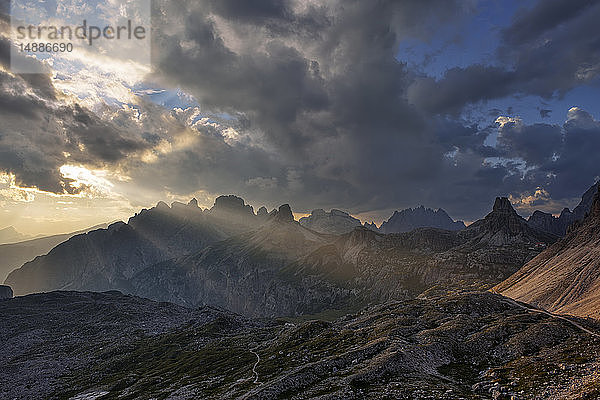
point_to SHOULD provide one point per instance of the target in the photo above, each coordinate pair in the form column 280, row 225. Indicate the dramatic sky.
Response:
column 367, row 106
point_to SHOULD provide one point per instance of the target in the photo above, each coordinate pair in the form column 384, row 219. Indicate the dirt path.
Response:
column 255, row 365
column 548, row 313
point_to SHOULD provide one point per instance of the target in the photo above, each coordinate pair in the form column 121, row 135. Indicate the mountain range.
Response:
column 559, row 225
column 566, row 277
column 226, row 303
column 420, row 217
column 271, row 265
column 336, row 221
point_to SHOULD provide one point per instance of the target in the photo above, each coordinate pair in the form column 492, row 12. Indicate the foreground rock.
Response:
column 566, row 277
column 5, row 292
column 461, row 345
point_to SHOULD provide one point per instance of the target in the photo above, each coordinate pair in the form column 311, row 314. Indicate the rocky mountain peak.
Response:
column 193, row 203
column 504, row 226
column 162, row 206
column 564, row 278
column 502, row 204
column 284, row 214
column 231, row 203
column 420, row 217
column 335, row 221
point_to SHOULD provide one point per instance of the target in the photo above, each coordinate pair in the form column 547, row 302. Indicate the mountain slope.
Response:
column 183, row 255
column 420, row 217
column 14, row 255
column 566, row 277
column 503, row 226
column 245, row 273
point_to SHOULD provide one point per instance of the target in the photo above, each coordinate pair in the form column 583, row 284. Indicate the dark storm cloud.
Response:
column 578, row 162
column 537, row 144
column 325, row 113
column 563, row 159
column 333, row 103
column 543, row 17
column 349, row 124
column 547, row 50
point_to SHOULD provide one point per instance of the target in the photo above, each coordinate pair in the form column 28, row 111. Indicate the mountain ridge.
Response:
column 419, row 217
column 565, row 278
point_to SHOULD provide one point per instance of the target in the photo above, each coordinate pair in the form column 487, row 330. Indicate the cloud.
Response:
column 547, row 50
column 306, row 102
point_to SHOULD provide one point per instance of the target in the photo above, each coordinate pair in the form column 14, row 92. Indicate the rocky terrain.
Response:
column 335, row 222
column 69, row 345
column 14, row 255
column 566, row 277
column 420, row 217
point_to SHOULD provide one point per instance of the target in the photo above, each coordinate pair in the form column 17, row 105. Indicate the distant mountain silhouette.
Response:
column 11, row 235
column 107, row 258
column 503, row 226
column 420, row 217
column 13, row 255
column 283, row 268
column 335, row 221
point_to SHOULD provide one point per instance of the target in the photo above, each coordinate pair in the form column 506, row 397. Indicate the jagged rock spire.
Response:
column 502, row 204
column 284, row 214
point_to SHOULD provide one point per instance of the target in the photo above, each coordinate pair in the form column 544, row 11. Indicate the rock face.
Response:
column 559, row 226
column 107, row 259
column 5, row 292
column 371, row 226
column 503, row 226
column 247, row 273
column 285, row 269
column 549, row 223
column 566, row 277
column 336, row 222
column 420, row 217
